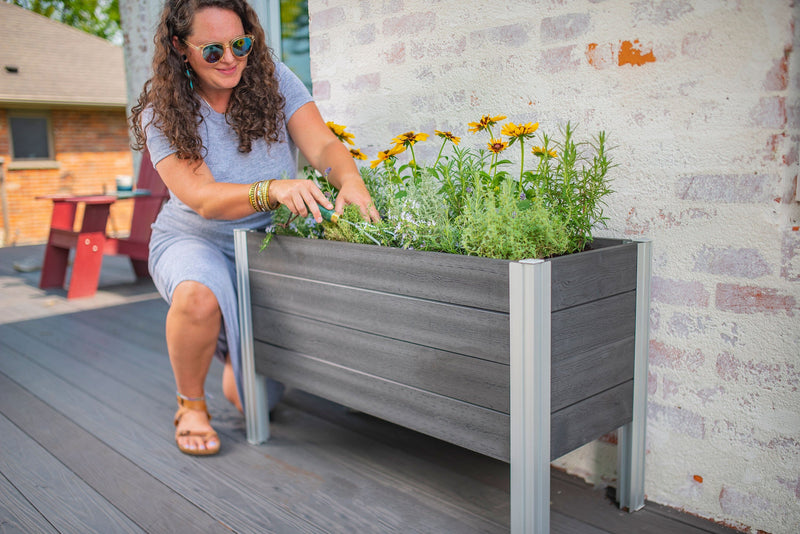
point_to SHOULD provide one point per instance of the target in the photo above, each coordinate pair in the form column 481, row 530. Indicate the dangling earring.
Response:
column 188, row 72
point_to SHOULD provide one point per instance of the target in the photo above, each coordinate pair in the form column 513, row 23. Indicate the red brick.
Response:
column 411, row 24
column 452, row 46
column 558, row 59
column 790, row 254
column 677, row 419
column 365, row 83
column 564, row 27
column 364, row 35
column 727, row 188
column 396, row 55
column 738, row 503
column 777, row 76
column 753, row 299
column 663, row 355
column 770, row 112
column 763, row 375
column 679, row 292
column 322, row 90
column 326, row 19
column 661, row 11
column 741, row 262
column 512, row 35
column 601, row 56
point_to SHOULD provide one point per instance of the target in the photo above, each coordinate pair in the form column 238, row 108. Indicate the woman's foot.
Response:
column 193, row 432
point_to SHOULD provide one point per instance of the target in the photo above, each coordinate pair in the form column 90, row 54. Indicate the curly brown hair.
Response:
column 256, row 105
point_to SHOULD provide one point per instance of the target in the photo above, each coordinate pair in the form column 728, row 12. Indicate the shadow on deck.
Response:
column 86, row 442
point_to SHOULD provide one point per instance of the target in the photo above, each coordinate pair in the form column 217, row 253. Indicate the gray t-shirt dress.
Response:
column 185, row 246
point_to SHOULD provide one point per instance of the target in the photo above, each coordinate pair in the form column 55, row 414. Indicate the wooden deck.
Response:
column 86, row 442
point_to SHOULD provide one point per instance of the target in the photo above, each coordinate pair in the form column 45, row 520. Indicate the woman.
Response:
column 221, row 121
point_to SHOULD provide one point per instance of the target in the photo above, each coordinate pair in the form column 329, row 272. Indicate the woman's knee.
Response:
column 196, row 301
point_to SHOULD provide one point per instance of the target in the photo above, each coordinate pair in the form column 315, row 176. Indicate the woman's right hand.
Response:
column 301, row 196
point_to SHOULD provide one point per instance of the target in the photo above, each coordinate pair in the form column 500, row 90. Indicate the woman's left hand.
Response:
column 353, row 191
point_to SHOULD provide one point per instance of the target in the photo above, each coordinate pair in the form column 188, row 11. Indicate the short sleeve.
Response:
column 292, row 88
column 157, row 144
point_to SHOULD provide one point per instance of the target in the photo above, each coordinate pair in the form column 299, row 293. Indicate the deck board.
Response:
column 86, row 403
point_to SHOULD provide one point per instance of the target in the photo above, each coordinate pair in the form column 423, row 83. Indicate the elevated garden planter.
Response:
column 521, row 361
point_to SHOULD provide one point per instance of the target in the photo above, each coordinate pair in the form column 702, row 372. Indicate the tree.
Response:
column 98, row 17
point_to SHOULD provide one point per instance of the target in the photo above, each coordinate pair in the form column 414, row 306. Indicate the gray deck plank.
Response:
column 67, row 502
column 17, row 514
column 145, row 500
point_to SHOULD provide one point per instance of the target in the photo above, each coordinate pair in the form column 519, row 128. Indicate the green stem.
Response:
column 413, row 160
column 440, row 153
column 521, row 163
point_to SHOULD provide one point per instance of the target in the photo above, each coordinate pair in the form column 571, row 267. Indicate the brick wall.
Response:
column 91, row 147
column 701, row 99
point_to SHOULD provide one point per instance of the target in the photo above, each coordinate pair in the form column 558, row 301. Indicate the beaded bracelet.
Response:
column 259, row 196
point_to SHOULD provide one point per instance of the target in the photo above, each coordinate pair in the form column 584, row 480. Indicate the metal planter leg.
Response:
column 529, row 306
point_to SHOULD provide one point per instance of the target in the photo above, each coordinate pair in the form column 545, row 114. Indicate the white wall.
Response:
column 701, row 99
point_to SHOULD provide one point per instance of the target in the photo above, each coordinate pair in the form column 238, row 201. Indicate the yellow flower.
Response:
column 338, row 131
column 409, row 138
column 539, row 151
column 448, row 135
column 521, row 130
column 497, row 145
column 386, row 154
column 357, row 154
column 485, row 122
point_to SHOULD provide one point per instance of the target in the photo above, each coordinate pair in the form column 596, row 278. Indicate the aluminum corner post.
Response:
column 255, row 386
column 529, row 322
column 631, row 438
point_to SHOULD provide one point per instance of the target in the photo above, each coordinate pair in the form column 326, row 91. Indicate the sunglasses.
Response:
column 212, row 52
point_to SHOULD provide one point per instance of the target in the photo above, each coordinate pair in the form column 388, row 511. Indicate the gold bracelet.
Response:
column 252, row 196
column 266, row 196
column 259, row 194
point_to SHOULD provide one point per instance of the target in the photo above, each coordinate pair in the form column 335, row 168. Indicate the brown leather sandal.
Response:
column 185, row 405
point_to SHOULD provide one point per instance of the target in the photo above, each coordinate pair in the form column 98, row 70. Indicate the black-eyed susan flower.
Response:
column 540, row 151
column 486, row 122
column 519, row 131
column 384, row 155
column 448, row 136
column 497, row 145
column 357, row 154
column 339, row 131
column 409, row 138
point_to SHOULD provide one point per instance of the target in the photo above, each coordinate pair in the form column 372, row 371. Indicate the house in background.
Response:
column 62, row 121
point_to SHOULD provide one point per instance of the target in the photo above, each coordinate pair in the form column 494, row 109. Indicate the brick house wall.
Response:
column 91, row 147
column 701, row 99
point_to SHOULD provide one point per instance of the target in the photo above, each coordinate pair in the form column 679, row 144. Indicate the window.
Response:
column 30, row 137
column 294, row 38
column 286, row 25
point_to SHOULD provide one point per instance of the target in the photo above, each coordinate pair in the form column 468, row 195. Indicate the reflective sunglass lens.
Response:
column 241, row 47
column 213, row 53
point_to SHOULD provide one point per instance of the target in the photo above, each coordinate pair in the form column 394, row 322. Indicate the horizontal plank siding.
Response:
column 478, row 429
column 607, row 269
column 464, row 280
column 590, row 418
column 461, row 377
column 471, row 331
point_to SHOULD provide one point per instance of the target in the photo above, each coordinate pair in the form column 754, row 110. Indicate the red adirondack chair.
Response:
column 91, row 242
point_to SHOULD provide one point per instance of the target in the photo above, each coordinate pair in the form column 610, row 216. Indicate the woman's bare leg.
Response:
column 229, row 384
column 193, row 323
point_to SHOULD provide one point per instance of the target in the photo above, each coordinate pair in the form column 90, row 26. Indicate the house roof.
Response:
column 56, row 64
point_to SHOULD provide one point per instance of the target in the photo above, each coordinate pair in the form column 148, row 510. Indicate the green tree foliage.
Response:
column 98, row 17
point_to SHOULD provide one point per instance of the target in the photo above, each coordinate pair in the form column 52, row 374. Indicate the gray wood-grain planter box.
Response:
column 521, row 361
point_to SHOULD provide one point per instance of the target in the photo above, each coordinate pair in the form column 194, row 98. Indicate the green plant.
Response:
column 467, row 201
